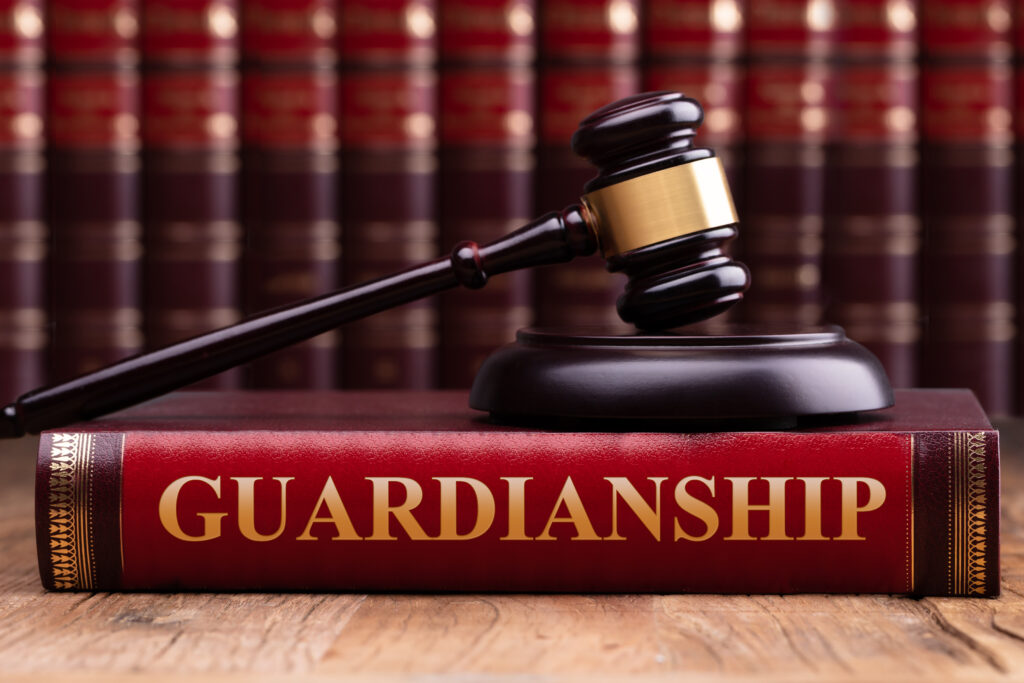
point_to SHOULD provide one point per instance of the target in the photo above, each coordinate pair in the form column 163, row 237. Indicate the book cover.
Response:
column 574, row 80
column 388, row 100
column 190, row 134
column 487, row 136
column 93, row 115
column 968, row 201
column 290, row 176
column 24, row 235
column 414, row 491
column 872, row 229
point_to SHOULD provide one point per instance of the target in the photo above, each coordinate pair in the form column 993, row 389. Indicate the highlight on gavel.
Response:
column 659, row 210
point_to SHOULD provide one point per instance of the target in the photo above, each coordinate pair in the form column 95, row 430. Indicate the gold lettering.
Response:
column 648, row 516
column 449, row 508
column 577, row 515
column 517, row 509
column 812, row 509
column 876, row 496
column 169, row 510
column 247, row 508
column 383, row 511
column 698, row 508
column 338, row 516
column 741, row 508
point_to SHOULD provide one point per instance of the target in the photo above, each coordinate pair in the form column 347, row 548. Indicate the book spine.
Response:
column 486, row 174
column 967, row 200
column 872, row 229
column 859, row 512
column 24, row 240
column 289, row 174
column 788, row 100
column 388, row 99
column 93, row 183
column 190, row 137
column 574, row 80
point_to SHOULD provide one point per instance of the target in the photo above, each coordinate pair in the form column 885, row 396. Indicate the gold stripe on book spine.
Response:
column 967, row 515
column 72, row 558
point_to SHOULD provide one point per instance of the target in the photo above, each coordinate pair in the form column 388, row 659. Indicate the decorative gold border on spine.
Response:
column 72, row 555
column 967, row 514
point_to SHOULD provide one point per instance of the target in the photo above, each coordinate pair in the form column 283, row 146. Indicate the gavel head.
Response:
column 660, row 210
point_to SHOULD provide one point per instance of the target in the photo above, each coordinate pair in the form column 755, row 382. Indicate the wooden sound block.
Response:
column 747, row 374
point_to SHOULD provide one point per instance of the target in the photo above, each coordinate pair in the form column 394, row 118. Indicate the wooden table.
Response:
column 100, row 636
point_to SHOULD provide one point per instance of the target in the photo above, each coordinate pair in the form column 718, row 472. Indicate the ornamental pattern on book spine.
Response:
column 967, row 515
column 71, row 548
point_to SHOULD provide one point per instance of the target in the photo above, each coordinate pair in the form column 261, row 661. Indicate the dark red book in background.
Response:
column 24, row 237
column 93, row 189
column 290, row 175
column 190, row 132
column 576, row 77
column 388, row 104
column 967, row 199
column 788, row 101
column 872, row 229
column 487, row 164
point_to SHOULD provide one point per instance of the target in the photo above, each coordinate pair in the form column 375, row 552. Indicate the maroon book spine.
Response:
column 93, row 189
column 290, row 172
column 190, row 137
column 872, row 229
column 388, row 100
column 24, row 239
column 487, row 163
column 574, row 80
column 967, row 200
column 410, row 491
column 788, row 101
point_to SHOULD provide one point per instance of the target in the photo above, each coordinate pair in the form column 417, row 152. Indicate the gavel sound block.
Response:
column 659, row 210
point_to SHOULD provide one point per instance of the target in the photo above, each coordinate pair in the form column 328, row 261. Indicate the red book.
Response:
column 190, row 133
column 290, row 175
column 415, row 492
column 388, row 104
column 872, row 229
column 967, row 183
column 93, row 191
column 574, row 79
column 487, row 136
column 24, row 238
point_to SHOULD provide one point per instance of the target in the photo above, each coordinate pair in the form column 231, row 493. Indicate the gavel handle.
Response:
column 553, row 238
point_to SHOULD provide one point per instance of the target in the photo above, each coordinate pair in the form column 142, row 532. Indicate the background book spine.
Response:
column 588, row 58
column 697, row 47
column 872, row 230
column 24, row 238
column 788, row 98
column 878, row 512
column 487, row 164
column 388, row 100
column 93, row 183
column 190, row 89
column 967, row 199
column 290, row 174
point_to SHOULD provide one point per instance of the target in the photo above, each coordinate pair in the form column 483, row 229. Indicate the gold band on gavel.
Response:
column 658, row 206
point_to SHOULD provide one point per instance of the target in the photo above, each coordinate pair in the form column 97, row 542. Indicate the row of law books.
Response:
column 172, row 165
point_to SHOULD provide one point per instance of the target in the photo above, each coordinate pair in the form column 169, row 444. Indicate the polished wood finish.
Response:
column 385, row 637
column 725, row 381
column 671, row 283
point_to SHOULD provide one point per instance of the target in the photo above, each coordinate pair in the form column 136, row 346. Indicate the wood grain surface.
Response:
column 101, row 636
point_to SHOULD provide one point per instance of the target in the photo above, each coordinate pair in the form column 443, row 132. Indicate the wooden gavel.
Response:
column 659, row 210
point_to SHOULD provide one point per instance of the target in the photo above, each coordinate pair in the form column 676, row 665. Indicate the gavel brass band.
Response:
column 658, row 206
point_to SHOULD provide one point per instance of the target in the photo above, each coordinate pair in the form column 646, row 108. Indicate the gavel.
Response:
column 659, row 210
